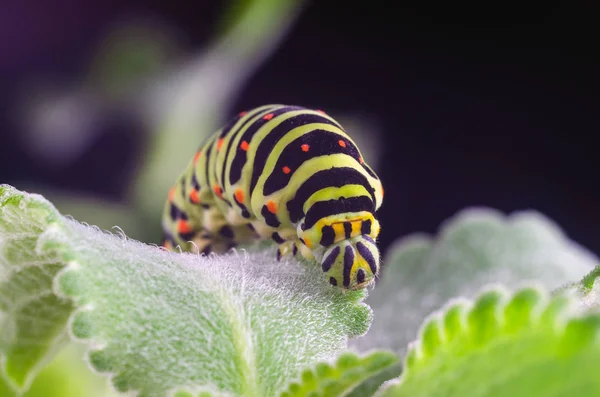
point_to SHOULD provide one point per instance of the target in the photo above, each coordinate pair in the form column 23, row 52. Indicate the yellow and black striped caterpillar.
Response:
column 285, row 173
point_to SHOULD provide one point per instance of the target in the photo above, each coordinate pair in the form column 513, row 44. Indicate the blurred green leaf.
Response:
column 587, row 292
column 69, row 376
column 86, row 208
column 197, row 392
column 32, row 319
column 515, row 345
column 349, row 372
column 476, row 247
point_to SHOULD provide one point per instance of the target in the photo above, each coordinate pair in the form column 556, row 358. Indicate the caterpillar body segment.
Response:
column 285, row 173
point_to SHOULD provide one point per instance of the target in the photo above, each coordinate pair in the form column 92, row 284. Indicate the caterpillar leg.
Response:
column 224, row 239
column 287, row 247
column 295, row 247
column 288, row 242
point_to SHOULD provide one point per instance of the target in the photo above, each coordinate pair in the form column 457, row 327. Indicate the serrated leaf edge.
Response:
column 333, row 363
column 55, row 346
column 567, row 312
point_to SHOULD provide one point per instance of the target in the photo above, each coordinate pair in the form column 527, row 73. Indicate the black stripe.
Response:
column 227, row 232
column 270, row 218
column 370, row 171
column 369, row 239
column 365, row 253
column 348, row 229
column 332, row 281
column 183, row 186
column 277, row 238
column 245, row 212
column 250, row 115
column 327, row 236
column 268, row 143
column 195, row 182
column 187, row 236
column 177, row 213
column 321, row 209
column 206, row 250
column 174, row 212
column 207, row 161
column 232, row 121
column 333, row 177
column 329, row 261
column 321, row 142
column 365, row 227
column 241, row 156
column 360, row 275
column 348, row 261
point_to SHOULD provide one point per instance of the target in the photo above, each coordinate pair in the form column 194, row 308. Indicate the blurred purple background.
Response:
column 494, row 106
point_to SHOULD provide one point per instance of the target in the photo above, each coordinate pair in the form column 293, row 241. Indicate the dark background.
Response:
column 491, row 105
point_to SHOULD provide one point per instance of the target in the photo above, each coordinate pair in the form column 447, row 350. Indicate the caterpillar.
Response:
column 285, row 173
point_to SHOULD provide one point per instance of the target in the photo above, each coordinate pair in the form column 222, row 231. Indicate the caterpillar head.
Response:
column 352, row 263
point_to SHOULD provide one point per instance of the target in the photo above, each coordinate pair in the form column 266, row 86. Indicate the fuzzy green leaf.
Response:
column 476, row 247
column 242, row 323
column 198, row 392
column 515, row 345
column 590, row 288
column 349, row 372
column 32, row 318
column 67, row 376
column 587, row 292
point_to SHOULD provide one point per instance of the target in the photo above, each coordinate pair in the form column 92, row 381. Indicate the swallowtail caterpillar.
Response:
column 285, row 173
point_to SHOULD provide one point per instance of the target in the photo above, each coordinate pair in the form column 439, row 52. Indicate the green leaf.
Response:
column 587, row 292
column 476, row 247
column 198, row 392
column 32, row 318
column 370, row 386
column 590, row 281
column 349, row 372
column 520, row 344
column 68, row 376
column 155, row 321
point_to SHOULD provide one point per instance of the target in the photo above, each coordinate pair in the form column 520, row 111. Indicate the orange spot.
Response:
column 194, row 196
column 268, row 116
column 183, row 227
column 172, row 193
column 197, row 156
column 305, row 147
column 219, row 143
column 244, row 146
column 286, row 169
column 320, row 111
column 307, row 242
column 240, row 114
column 272, row 207
column 382, row 191
column 360, row 160
column 342, row 143
column 218, row 191
column 239, row 196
